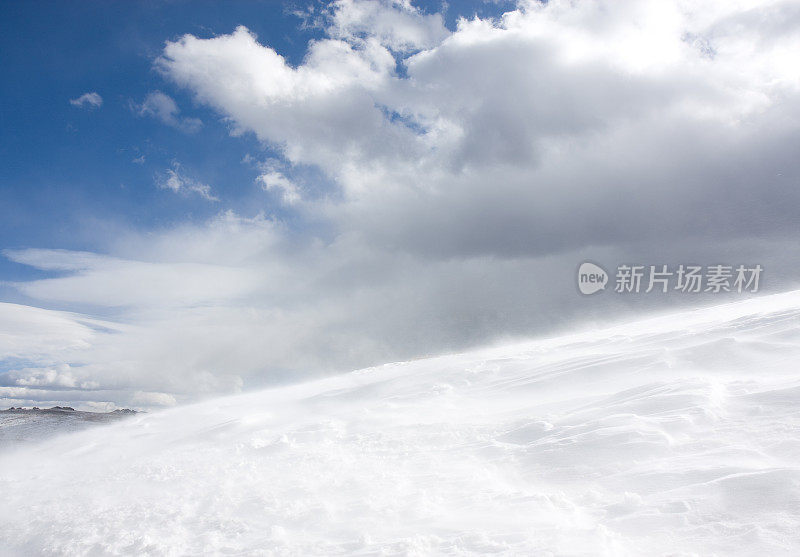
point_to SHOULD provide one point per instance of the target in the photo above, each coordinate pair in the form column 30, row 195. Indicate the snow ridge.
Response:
column 675, row 435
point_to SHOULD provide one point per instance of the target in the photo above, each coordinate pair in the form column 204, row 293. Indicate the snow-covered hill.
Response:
column 677, row 435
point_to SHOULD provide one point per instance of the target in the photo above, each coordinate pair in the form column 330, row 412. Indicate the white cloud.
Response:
column 28, row 331
column 583, row 108
column 56, row 377
column 307, row 110
column 235, row 303
column 288, row 190
column 87, row 100
column 396, row 24
column 175, row 180
column 273, row 179
column 163, row 107
column 141, row 398
column 465, row 189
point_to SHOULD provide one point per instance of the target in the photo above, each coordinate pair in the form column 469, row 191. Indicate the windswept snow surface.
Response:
column 677, row 435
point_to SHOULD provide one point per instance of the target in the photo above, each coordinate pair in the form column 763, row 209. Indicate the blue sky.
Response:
column 68, row 173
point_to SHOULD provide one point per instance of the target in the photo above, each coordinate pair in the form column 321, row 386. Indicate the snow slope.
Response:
column 677, row 435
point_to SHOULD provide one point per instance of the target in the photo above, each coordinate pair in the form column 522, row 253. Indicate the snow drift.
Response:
column 673, row 435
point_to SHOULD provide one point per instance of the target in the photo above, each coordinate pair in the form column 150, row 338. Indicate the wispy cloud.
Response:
column 164, row 108
column 174, row 179
column 273, row 178
column 87, row 100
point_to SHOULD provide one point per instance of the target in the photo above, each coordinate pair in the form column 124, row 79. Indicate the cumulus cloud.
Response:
column 175, row 180
column 396, row 24
column 589, row 109
column 467, row 173
column 60, row 376
column 146, row 399
column 164, row 108
column 87, row 100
